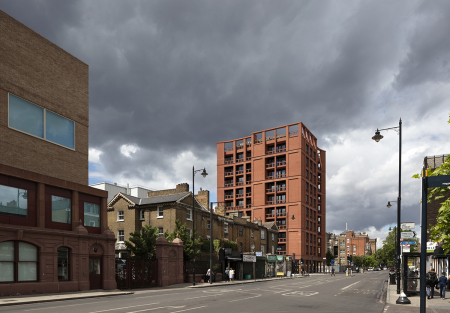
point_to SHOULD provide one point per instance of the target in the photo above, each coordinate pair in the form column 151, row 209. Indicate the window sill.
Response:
column 120, row 241
column 142, row 219
column 189, row 219
column 120, row 220
column 160, row 217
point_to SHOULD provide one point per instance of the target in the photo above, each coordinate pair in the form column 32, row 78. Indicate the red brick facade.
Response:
column 278, row 175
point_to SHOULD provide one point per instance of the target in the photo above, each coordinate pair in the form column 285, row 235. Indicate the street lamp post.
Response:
column 193, row 217
column 377, row 138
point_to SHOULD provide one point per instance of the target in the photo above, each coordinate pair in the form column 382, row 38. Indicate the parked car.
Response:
column 370, row 269
column 377, row 269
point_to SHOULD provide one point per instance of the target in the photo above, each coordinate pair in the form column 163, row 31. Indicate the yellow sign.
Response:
column 280, row 273
column 410, row 262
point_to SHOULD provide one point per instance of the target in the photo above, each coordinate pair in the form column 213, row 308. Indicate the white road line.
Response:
column 167, row 294
column 162, row 307
column 350, row 285
column 63, row 306
column 199, row 307
column 127, row 307
column 257, row 296
column 213, row 295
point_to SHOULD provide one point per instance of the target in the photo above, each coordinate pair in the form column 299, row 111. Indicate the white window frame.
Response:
column 225, row 228
column 263, row 249
column 142, row 215
column 273, row 249
column 252, row 233
column 160, row 231
column 189, row 214
column 348, row 240
column 189, row 232
column 160, row 212
column 263, row 234
column 120, row 235
column 120, row 216
column 273, row 236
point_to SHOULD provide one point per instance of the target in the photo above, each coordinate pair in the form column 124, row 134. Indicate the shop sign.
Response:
column 279, row 258
column 248, row 258
column 271, row 258
column 258, row 253
column 431, row 246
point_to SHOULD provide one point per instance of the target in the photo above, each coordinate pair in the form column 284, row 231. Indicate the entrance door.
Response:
column 95, row 273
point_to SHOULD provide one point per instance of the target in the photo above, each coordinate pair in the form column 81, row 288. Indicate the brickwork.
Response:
column 274, row 175
column 64, row 89
column 184, row 187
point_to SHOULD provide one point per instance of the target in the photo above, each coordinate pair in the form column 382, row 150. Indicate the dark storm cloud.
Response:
column 176, row 76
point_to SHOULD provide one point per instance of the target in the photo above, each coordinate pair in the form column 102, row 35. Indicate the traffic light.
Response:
column 348, row 258
column 301, row 260
column 351, row 258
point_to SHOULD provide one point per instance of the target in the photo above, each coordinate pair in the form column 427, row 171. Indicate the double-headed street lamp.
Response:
column 377, row 138
column 204, row 174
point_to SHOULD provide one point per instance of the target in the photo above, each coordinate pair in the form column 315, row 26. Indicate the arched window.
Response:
column 18, row 261
column 63, row 263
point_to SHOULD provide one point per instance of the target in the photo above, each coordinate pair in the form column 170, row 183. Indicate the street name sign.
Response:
column 408, row 226
column 408, row 234
column 407, row 242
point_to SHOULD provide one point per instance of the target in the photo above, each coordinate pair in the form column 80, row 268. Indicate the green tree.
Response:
column 191, row 244
column 371, row 261
column 441, row 230
column 329, row 257
column 358, row 260
column 143, row 244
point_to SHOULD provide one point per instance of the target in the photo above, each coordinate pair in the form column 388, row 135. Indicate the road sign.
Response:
column 408, row 234
column 352, row 263
column 438, row 181
column 332, row 262
column 408, row 226
column 407, row 242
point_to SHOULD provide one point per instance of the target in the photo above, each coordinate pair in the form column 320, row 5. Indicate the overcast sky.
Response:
column 168, row 79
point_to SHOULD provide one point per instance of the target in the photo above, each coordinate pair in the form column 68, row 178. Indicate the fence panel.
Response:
column 136, row 273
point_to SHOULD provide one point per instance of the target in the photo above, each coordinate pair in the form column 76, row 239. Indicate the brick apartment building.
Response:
column 53, row 230
column 161, row 208
column 350, row 243
column 278, row 175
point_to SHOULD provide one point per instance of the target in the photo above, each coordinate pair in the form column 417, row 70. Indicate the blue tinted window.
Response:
column 59, row 130
column 91, row 214
column 13, row 201
column 61, row 210
column 26, row 117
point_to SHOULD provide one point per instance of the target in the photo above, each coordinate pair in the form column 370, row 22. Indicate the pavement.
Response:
column 27, row 299
column 435, row 305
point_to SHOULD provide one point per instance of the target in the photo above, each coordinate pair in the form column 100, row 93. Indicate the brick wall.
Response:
column 35, row 69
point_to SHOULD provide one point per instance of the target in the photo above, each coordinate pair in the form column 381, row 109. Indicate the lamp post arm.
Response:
column 390, row 127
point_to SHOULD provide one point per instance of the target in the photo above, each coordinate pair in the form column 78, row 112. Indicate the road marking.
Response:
column 257, row 296
column 199, row 307
column 350, row 285
column 128, row 307
column 201, row 297
column 301, row 293
column 162, row 307
column 167, row 294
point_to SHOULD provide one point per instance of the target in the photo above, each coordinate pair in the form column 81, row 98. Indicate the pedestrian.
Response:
column 208, row 275
column 231, row 274
column 431, row 280
column 442, row 282
column 227, row 273
column 332, row 272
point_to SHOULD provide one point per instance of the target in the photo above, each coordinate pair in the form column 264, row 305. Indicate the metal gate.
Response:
column 136, row 273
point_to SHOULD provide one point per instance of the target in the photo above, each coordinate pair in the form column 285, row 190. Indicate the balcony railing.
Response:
column 248, row 182
column 228, row 173
column 270, row 215
column 281, row 150
column 248, row 194
column 281, row 214
column 229, row 161
column 293, row 134
column 239, row 195
column 271, row 151
column 239, row 172
column 283, row 188
column 240, row 147
column 249, row 143
column 281, row 252
column 281, row 163
column 249, row 206
column 281, row 175
column 270, row 202
column 228, row 149
column 229, row 184
column 270, row 190
column 270, row 138
column 270, row 165
column 281, row 226
column 281, row 136
column 228, row 196
column 248, row 170
column 240, row 183
column 259, row 140
column 281, row 239
column 270, row 177
column 239, row 160
column 249, row 158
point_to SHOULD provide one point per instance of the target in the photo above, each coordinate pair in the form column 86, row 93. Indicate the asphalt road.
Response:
column 320, row 293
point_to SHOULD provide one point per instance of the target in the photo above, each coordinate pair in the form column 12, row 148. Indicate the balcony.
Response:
column 270, row 177
column 228, row 196
column 281, row 188
column 249, row 143
column 239, row 207
column 240, row 160
column 248, row 182
column 249, row 158
column 281, row 150
column 281, row 214
column 229, row 184
column 248, row 194
column 239, row 172
column 229, row 161
column 239, row 147
column 271, row 151
column 281, row 240
column 259, row 140
column 291, row 134
column 228, row 149
column 239, row 195
column 281, row 226
column 228, row 173
column 281, row 163
column 269, row 165
column 270, row 138
column 249, row 170
column 240, row 183
column 270, row 190
column 249, row 206
column 270, row 202
column 281, row 136
column 270, row 215
column 281, row 252
column 281, row 175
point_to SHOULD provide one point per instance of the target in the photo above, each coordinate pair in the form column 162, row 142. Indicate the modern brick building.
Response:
column 278, row 175
column 53, row 229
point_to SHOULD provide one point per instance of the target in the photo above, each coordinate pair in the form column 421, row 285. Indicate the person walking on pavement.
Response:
column 231, row 274
column 431, row 280
column 442, row 285
column 332, row 272
column 227, row 273
column 208, row 275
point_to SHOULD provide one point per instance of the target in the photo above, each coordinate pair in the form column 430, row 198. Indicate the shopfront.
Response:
column 249, row 262
column 271, row 264
column 280, row 266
